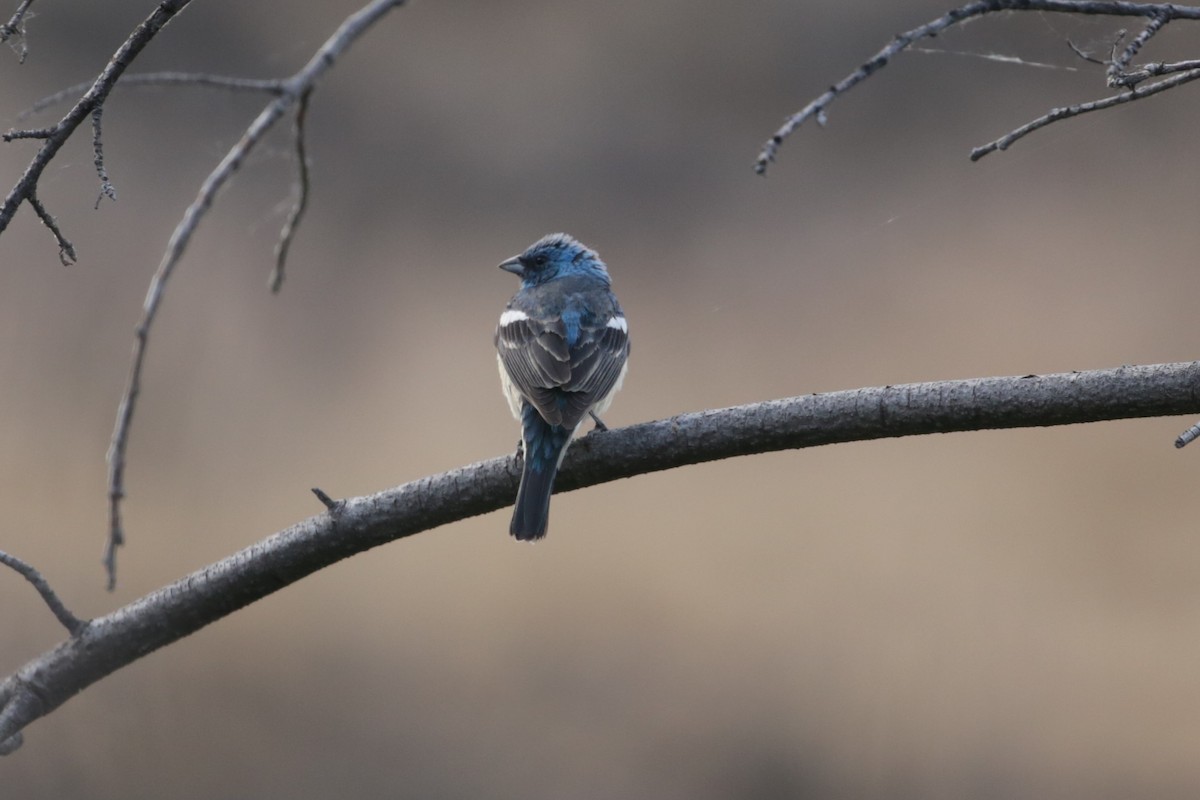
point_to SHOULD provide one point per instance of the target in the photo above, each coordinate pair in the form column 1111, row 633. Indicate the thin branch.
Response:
column 816, row 109
column 295, row 89
column 1188, row 436
column 331, row 505
column 361, row 523
column 26, row 187
column 106, row 187
column 1116, row 69
column 270, row 86
column 16, row 27
column 1153, row 69
column 72, row 623
column 297, row 212
column 1074, row 49
column 1005, row 141
column 66, row 250
column 32, row 133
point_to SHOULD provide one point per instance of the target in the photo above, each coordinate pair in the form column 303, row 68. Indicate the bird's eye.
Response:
column 540, row 260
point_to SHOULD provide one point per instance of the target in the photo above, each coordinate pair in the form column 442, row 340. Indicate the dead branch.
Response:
column 357, row 524
column 26, row 188
column 72, row 623
column 294, row 90
column 15, row 27
column 1159, row 15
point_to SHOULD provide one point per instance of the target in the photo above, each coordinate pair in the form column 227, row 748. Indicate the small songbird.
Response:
column 562, row 344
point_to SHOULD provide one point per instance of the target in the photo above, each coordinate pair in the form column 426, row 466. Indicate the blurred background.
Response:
column 998, row 614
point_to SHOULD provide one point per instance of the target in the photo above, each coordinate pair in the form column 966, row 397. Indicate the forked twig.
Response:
column 25, row 189
column 16, row 27
column 1159, row 13
column 294, row 90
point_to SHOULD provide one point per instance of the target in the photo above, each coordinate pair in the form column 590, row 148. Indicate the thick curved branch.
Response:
column 357, row 524
column 1159, row 14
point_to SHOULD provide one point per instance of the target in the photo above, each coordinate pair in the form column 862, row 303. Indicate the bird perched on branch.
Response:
column 562, row 344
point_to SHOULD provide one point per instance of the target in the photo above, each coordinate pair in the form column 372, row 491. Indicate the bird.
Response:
column 563, row 347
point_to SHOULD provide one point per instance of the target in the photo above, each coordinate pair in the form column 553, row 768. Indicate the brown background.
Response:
column 1002, row 614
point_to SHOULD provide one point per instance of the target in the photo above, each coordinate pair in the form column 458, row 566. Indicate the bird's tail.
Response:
column 545, row 446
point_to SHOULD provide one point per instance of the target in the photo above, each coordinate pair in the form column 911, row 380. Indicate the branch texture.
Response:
column 357, row 524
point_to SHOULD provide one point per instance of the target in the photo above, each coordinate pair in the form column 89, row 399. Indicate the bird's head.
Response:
column 555, row 256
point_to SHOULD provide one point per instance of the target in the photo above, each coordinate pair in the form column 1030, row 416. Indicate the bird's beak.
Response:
column 513, row 265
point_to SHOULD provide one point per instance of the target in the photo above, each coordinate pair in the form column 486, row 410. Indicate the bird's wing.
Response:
column 562, row 382
column 596, row 362
column 535, row 355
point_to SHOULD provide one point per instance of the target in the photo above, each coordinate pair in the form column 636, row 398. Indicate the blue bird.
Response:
column 562, row 344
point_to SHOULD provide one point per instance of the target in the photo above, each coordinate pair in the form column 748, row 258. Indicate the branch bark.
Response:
column 352, row 526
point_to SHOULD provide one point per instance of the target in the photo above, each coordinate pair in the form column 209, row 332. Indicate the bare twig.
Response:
column 1188, row 436
column 173, row 612
column 1077, row 51
column 1153, row 69
column 816, row 109
column 294, row 90
column 330, row 504
column 72, row 623
column 16, row 27
column 31, row 133
column 106, row 187
column 1119, row 75
column 1116, row 69
column 1057, row 114
column 270, row 86
column 297, row 212
column 66, row 250
column 26, row 187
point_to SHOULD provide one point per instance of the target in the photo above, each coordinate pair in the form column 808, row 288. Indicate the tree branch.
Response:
column 1188, row 436
column 66, row 250
column 1159, row 13
column 16, row 27
column 1116, row 69
column 275, row 282
column 72, row 623
column 357, row 524
column 293, row 90
column 26, row 187
column 1056, row 114
column 270, row 86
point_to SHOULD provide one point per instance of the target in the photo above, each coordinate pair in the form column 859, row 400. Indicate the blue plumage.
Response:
column 563, row 345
